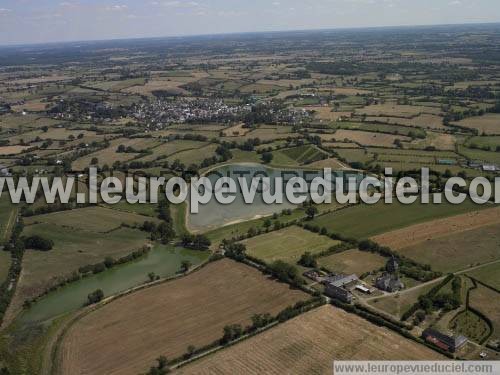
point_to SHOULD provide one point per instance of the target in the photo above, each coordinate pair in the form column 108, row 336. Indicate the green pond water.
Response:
column 215, row 214
column 162, row 260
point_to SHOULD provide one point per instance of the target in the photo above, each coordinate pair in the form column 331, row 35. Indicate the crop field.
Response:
column 327, row 113
column 194, row 156
column 109, row 155
column 332, row 163
column 12, row 150
column 303, row 154
column 287, row 244
column 438, row 141
column 480, row 155
column 236, row 131
column 354, row 155
column 454, row 252
column 171, row 148
column 491, row 142
column 487, row 124
column 376, row 127
column 424, row 121
column 487, row 301
column 490, row 275
column 235, row 230
column 433, row 229
column 352, row 261
column 363, row 221
column 189, row 311
column 308, row 344
column 94, row 219
column 396, row 110
column 369, row 138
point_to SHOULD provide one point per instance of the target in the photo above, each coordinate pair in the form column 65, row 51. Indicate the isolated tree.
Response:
column 185, row 265
column 267, row 157
column 311, row 212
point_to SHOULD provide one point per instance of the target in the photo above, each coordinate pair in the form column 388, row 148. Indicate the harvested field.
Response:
column 488, row 123
column 487, row 301
column 418, row 233
column 332, row 163
column 352, row 261
column 125, row 336
column 287, row 244
column 396, row 110
column 236, row 131
column 12, row 150
column 94, row 219
column 363, row 221
column 458, row 251
column 424, row 121
column 437, row 140
column 309, row 344
column 368, row 138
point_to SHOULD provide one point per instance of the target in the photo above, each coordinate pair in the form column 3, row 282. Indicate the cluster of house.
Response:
column 159, row 113
column 485, row 167
column 342, row 286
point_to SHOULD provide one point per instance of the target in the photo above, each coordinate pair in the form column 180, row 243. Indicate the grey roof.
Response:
column 341, row 280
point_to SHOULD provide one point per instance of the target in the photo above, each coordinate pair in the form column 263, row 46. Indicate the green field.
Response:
column 147, row 209
column 364, row 221
column 302, row 154
column 194, row 156
column 94, row 219
column 352, row 261
column 287, row 244
column 454, row 252
column 4, row 265
column 487, row 301
column 171, row 148
column 7, row 217
column 489, row 275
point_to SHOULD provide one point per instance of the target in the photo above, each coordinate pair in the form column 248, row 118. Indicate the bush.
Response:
column 38, row 243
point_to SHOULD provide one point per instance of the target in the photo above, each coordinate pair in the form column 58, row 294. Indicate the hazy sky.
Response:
column 27, row 21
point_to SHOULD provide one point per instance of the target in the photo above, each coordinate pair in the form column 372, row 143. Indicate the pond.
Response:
column 214, row 214
column 163, row 260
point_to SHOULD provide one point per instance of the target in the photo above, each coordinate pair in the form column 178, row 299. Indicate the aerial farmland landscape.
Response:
column 127, row 272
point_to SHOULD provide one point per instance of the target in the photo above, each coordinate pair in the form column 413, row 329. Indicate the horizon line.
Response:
column 62, row 42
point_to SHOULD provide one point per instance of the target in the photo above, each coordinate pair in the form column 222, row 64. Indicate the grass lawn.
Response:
column 457, row 251
column 235, row 230
column 352, row 261
column 398, row 304
column 364, row 221
column 490, row 275
column 470, row 325
column 287, row 244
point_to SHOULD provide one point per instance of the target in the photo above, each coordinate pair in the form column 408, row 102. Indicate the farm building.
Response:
column 341, row 280
column 443, row 341
column 389, row 283
column 338, row 292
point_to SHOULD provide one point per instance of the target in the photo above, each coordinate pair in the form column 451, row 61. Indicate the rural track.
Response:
column 430, row 282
